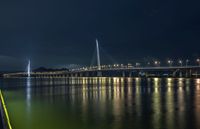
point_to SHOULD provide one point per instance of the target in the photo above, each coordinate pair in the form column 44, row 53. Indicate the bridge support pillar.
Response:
column 180, row 74
column 130, row 74
column 123, row 74
column 190, row 73
column 99, row 74
column 87, row 74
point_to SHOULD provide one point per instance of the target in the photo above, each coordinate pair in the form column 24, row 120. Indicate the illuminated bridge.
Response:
column 117, row 70
column 176, row 71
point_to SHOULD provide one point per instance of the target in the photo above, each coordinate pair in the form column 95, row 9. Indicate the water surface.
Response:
column 102, row 103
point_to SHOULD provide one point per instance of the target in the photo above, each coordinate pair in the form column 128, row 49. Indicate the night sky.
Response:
column 58, row 33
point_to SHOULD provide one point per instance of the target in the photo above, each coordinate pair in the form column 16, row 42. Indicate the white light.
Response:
column 29, row 68
column 198, row 81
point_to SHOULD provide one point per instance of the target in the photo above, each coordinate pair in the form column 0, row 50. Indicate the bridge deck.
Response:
column 120, row 69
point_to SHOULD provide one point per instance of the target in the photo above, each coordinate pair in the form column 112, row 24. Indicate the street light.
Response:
column 148, row 64
column 137, row 64
column 157, row 63
column 198, row 61
column 187, row 61
column 170, row 62
column 181, row 62
column 129, row 65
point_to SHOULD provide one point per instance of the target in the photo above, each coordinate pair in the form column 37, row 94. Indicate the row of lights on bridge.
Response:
column 181, row 62
column 171, row 62
column 129, row 65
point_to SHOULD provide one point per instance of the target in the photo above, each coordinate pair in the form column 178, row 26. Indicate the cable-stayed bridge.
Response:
column 115, row 70
column 175, row 71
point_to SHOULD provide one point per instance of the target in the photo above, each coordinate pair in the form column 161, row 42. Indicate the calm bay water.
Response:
column 103, row 103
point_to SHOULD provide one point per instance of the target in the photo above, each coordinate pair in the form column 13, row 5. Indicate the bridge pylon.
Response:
column 99, row 73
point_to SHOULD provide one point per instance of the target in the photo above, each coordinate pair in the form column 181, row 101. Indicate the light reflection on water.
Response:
column 109, row 103
column 28, row 93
